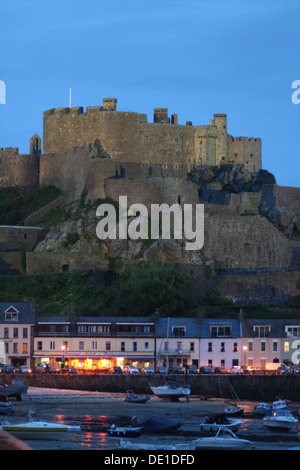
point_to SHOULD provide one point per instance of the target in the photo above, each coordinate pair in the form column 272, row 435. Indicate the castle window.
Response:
column 165, row 152
column 160, row 139
column 65, row 268
column 178, row 154
column 251, row 155
column 176, row 140
column 145, row 138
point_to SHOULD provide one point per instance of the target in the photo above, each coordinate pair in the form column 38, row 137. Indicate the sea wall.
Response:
column 247, row 387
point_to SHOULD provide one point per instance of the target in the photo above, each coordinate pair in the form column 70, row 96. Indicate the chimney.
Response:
column 200, row 317
column 241, row 315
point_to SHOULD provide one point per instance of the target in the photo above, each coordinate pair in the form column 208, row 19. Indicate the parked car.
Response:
column 131, row 370
column 11, row 370
column 72, row 370
column 25, row 370
column 40, row 369
column 191, row 369
column 2, row 368
column 161, row 370
column 53, row 368
column 206, row 370
column 236, row 370
column 115, row 370
column 222, row 370
column 147, row 370
column 176, row 369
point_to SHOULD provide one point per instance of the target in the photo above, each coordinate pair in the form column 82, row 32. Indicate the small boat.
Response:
column 38, row 429
column 133, row 398
column 125, row 431
column 173, row 391
column 279, row 404
column 261, row 408
column 281, row 419
column 234, row 411
column 156, row 424
column 212, row 424
column 17, row 388
column 224, row 439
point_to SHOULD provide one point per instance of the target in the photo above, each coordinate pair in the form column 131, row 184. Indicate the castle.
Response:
column 126, row 143
column 252, row 233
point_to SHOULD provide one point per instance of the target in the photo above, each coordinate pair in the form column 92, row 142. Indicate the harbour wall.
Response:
column 247, row 387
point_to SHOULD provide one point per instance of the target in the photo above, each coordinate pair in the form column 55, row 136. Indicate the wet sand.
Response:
column 96, row 411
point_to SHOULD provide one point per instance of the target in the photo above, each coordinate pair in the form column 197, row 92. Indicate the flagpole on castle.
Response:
column 70, row 98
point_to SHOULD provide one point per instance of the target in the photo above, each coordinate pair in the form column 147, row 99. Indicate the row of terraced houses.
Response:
column 97, row 343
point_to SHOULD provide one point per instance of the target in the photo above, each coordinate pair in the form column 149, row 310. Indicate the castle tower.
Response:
column 110, row 104
column 220, row 121
column 35, row 145
column 161, row 116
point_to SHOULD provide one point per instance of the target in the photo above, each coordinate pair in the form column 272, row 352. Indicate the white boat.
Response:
column 224, row 439
column 38, row 429
column 281, row 419
column 234, row 410
column 213, row 424
column 172, row 391
column 262, row 408
column 279, row 404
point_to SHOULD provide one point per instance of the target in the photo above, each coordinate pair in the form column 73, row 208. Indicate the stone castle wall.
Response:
column 18, row 170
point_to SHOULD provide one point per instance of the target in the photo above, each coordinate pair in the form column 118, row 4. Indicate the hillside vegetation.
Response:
column 17, row 203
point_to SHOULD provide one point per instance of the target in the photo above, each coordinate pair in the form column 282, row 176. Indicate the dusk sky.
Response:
column 194, row 57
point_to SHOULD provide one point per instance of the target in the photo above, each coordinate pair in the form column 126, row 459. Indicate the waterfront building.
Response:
column 268, row 341
column 95, row 343
column 177, row 341
column 290, row 345
column 16, row 333
column 220, row 343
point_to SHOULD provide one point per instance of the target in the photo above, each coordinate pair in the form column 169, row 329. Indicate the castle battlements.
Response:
column 128, row 140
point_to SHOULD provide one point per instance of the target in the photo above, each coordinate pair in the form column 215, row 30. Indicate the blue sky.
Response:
column 194, row 57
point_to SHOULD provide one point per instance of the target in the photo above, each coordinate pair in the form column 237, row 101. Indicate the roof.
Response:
column 25, row 309
column 277, row 326
column 208, row 322
column 192, row 326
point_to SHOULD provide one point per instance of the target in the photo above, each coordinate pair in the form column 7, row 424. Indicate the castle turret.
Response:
column 161, row 116
column 220, row 121
column 110, row 104
column 35, row 145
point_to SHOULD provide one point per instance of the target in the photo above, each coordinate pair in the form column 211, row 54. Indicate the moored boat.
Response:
column 38, row 429
column 234, row 411
column 16, row 388
column 224, row 439
column 157, row 424
column 281, row 419
column 171, row 391
column 133, row 398
column 125, row 431
column 261, row 408
column 221, row 421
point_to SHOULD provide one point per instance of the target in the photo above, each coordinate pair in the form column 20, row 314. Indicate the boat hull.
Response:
column 41, row 430
column 166, row 391
column 207, row 443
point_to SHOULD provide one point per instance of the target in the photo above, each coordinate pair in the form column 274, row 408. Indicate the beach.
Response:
column 95, row 412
